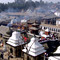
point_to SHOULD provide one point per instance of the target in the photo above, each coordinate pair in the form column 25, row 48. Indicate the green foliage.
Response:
column 2, row 7
column 19, row 6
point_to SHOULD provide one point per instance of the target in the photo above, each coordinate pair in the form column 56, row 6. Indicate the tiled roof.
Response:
column 3, row 29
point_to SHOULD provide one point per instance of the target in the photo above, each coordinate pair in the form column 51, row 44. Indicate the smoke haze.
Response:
column 6, row 1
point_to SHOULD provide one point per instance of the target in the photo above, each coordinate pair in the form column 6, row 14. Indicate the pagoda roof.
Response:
column 35, row 24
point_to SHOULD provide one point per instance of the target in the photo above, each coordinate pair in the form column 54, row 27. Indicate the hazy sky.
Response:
column 5, row 1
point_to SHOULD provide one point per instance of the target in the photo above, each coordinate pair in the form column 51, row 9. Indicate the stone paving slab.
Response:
column 6, row 57
column 16, row 59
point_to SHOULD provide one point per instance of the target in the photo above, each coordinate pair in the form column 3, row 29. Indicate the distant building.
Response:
column 52, row 28
column 20, row 1
column 30, row 0
column 41, row 2
column 34, row 28
column 58, row 22
column 57, row 14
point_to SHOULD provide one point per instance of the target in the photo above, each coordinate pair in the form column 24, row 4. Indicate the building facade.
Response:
column 52, row 28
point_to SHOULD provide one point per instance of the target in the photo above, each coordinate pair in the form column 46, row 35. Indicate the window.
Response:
column 52, row 29
column 11, row 51
column 44, row 27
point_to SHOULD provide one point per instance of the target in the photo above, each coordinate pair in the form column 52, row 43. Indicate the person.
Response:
column 46, row 56
column 2, row 55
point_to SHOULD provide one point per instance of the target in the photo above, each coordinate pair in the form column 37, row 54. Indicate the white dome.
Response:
column 16, row 35
column 33, row 39
column 15, row 39
column 41, row 32
column 23, row 21
column 58, row 50
column 34, row 48
column 12, row 21
column 55, row 57
column 43, row 35
column 47, row 30
column 57, row 13
column 52, row 58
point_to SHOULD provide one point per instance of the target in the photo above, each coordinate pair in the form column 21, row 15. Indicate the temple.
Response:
column 15, row 44
column 34, row 50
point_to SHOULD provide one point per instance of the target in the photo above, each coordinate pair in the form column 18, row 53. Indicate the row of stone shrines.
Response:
column 31, row 51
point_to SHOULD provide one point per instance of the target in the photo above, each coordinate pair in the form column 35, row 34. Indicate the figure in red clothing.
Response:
column 25, row 39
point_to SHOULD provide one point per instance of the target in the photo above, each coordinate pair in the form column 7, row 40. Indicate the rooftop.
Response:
column 15, row 39
column 35, row 24
column 34, row 48
column 3, row 29
column 48, row 16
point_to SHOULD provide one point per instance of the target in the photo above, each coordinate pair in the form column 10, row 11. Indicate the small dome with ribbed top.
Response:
column 34, row 48
column 15, row 39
